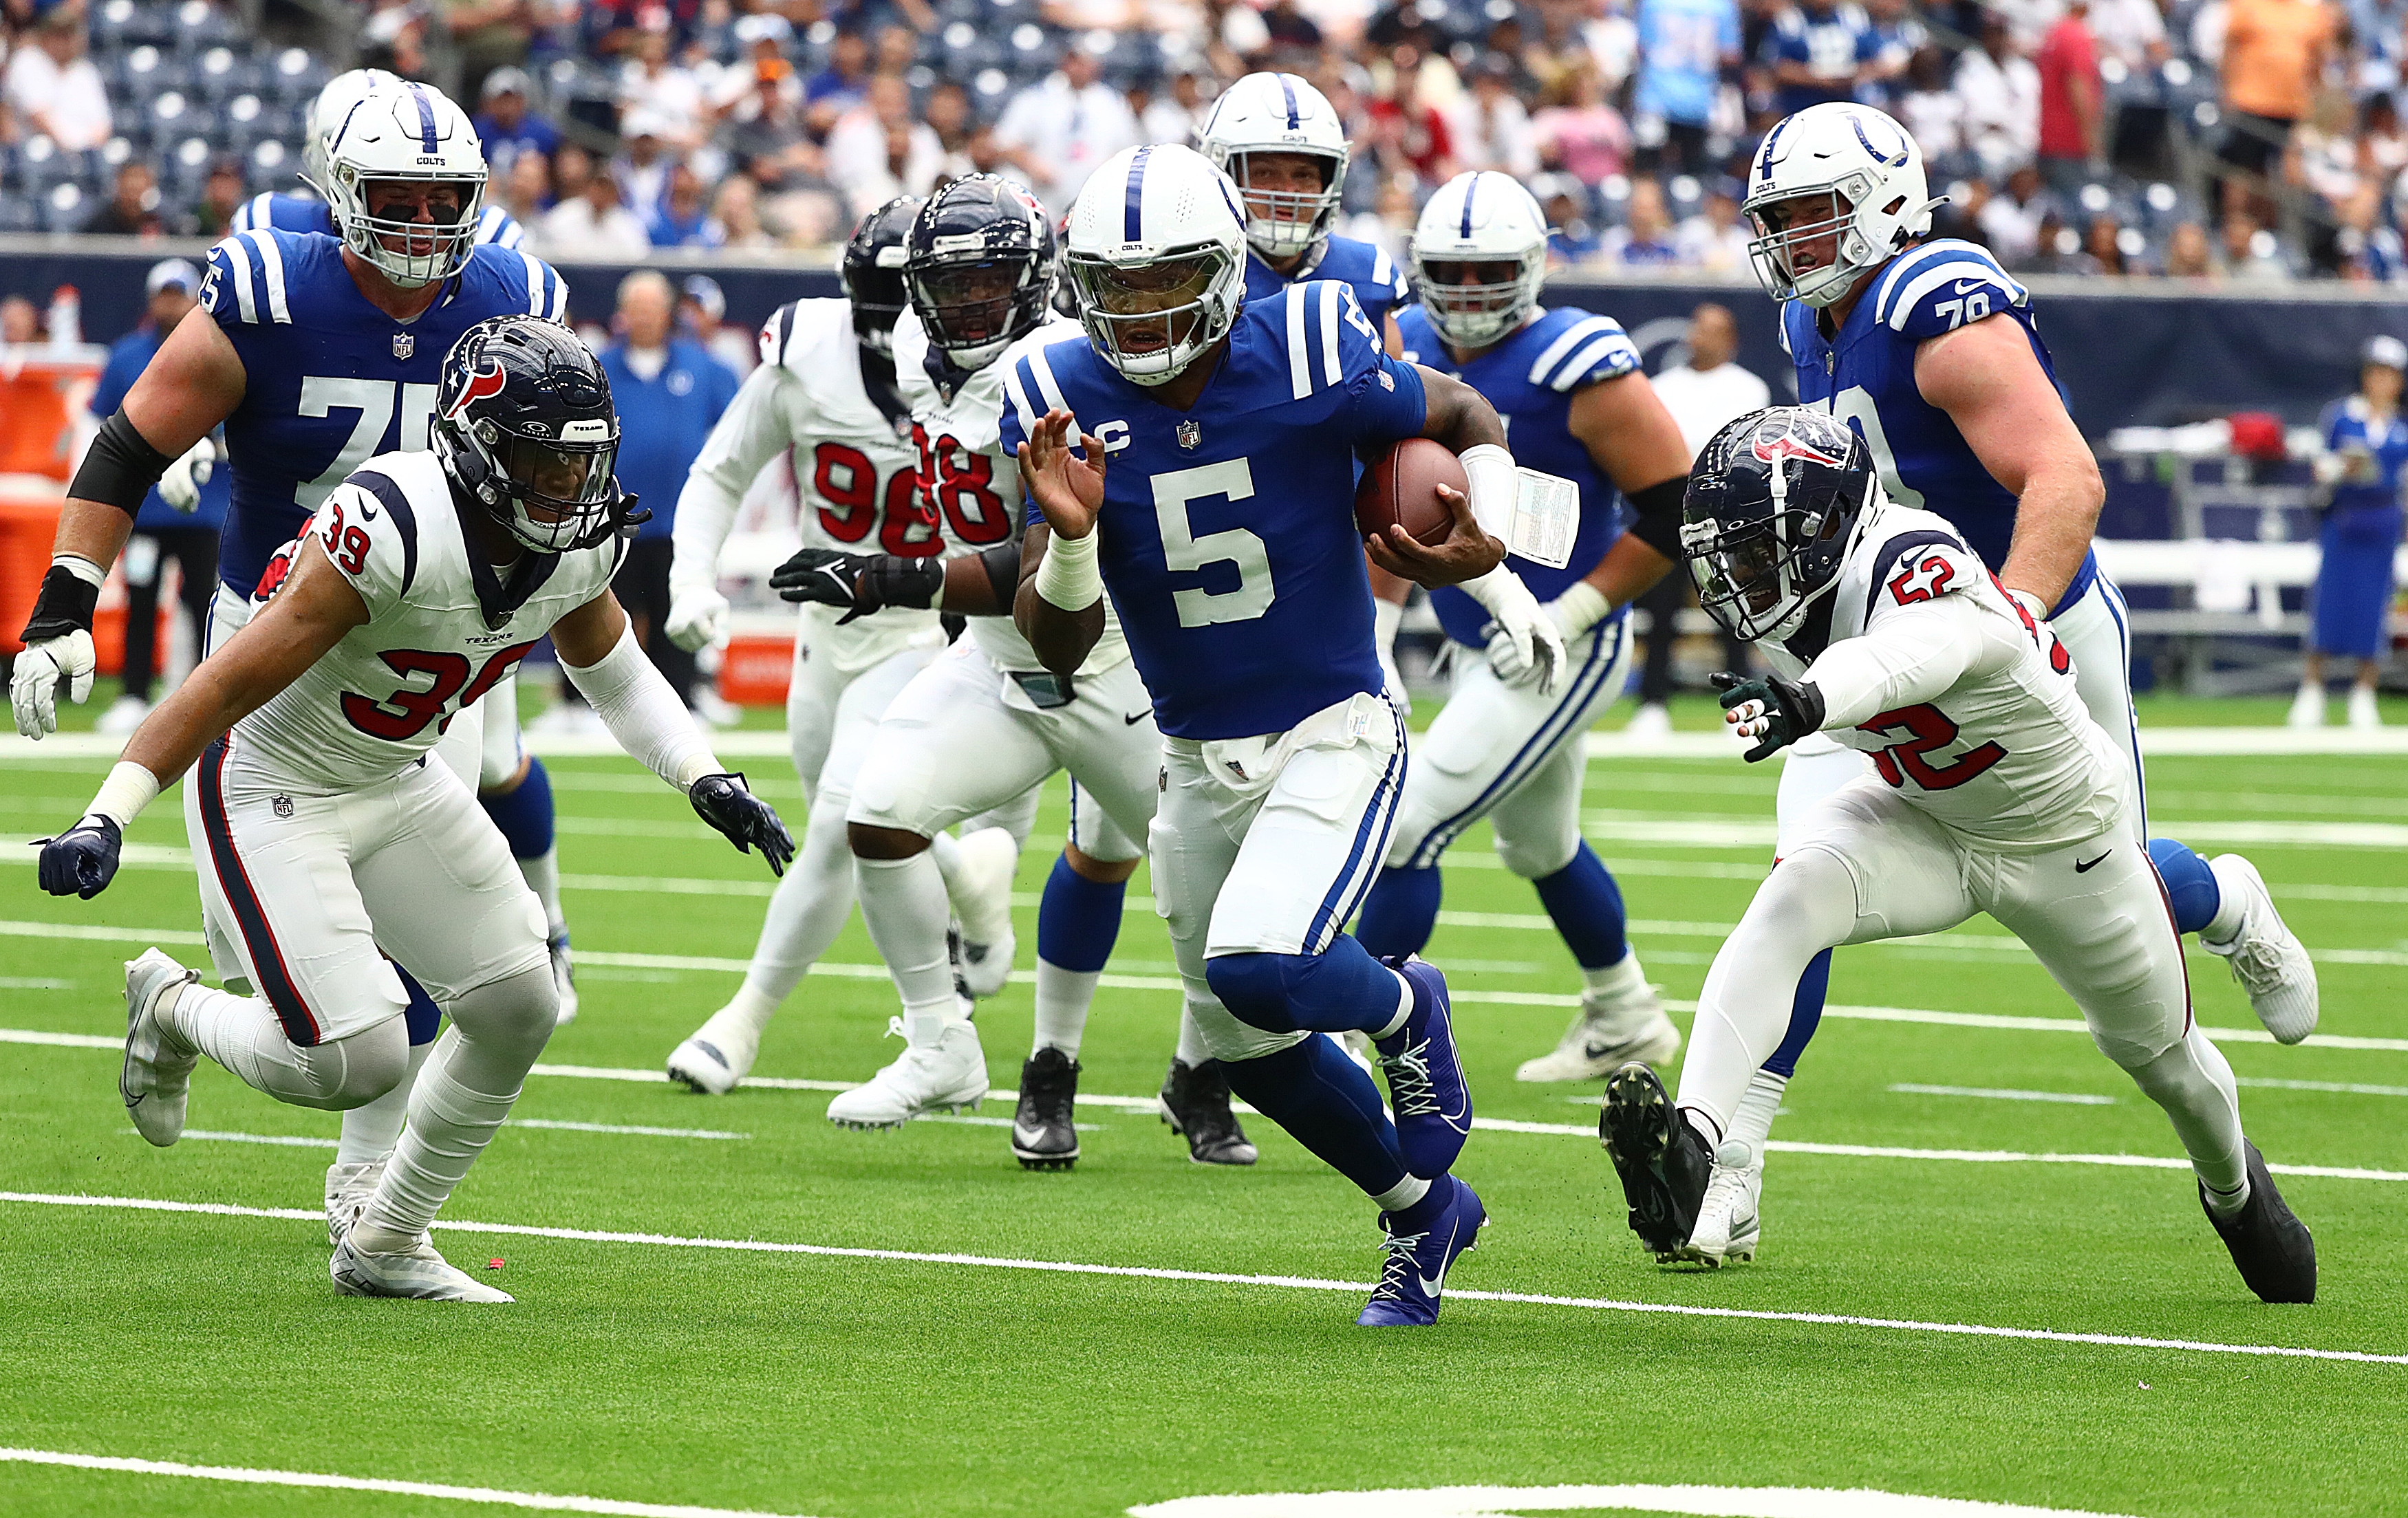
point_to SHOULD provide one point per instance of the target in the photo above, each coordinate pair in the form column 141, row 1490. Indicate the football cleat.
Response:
column 981, row 891
column 1426, row 1092
column 1728, row 1220
column 1043, row 1135
column 1195, row 1101
column 418, row 1273
column 1415, row 1272
column 348, row 1190
column 944, row 1078
column 718, row 1055
column 2273, row 1249
column 1611, row 1030
column 1663, row 1160
column 2266, row 958
column 564, row 979
column 158, row 1071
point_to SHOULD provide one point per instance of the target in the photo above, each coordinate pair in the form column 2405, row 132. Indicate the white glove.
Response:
column 181, row 486
column 1534, row 650
column 32, row 690
column 1580, row 608
column 698, row 617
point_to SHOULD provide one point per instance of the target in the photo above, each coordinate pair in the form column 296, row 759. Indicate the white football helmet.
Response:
column 1158, row 254
column 1279, row 113
column 325, row 114
column 1869, row 168
column 411, row 133
column 1478, row 256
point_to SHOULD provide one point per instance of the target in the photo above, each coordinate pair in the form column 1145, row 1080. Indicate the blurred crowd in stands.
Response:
column 2215, row 140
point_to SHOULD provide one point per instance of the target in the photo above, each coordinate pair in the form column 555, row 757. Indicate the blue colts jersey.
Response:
column 307, row 213
column 1531, row 377
column 1379, row 285
column 331, row 382
column 1228, row 543
column 1867, row 376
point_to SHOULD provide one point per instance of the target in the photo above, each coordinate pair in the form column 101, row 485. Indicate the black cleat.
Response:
column 1195, row 1101
column 1042, row 1134
column 2276, row 1256
column 1663, row 1161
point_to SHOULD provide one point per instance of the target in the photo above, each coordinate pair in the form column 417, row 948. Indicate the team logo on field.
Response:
column 403, row 345
column 283, row 805
column 1190, row 434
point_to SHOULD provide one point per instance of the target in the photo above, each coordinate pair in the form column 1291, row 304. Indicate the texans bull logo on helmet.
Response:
column 483, row 383
column 1774, row 444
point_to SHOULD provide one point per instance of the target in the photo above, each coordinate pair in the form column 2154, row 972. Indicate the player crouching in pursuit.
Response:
column 1213, row 497
column 1994, row 792
column 418, row 584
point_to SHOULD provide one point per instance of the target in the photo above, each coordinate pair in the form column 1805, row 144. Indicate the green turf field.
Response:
column 906, row 1367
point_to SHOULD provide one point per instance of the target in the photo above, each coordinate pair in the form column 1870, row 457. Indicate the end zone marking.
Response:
column 1075, row 1267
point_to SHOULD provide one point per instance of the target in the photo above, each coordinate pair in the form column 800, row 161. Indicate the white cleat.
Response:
column 418, row 1273
column 348, row 1190
column 564, row 979
column 945, row 1079
column 1611, row 1031
column 979, row 889
column 718, row 1055
column 158, row 1073
column 2364, row 715
column 2267, row 958
column 1729, row 1220
column 2307, row 708
column 1650, row 723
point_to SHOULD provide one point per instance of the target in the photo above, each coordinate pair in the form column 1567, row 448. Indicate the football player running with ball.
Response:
column 328, row 839
column 1506, row 748
column 1992, row 790
column 1932, row 354
column 1210, row 493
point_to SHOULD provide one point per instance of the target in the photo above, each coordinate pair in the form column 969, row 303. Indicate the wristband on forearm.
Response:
column 1495, row 485
column 1580, row 608
column 70, row 591
column 122, row 796
column 890, row 580
column 1068, row 576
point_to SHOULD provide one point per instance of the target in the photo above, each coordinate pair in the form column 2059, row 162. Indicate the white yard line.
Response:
column 2071, row 1098
column 754, row 1246
column 286, row 1140
column 2342, row 1086
column 486, row 1495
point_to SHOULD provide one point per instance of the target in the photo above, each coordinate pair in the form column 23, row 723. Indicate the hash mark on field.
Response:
column 2071, row 1097
column 1140, row 1272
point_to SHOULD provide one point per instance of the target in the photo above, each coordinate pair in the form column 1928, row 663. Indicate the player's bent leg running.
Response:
column 1078, row 922
column 515, row 790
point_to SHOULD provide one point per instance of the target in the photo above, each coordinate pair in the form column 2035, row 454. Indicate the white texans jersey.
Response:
column 1965, row 705
column 443, row 627
column 972, row 483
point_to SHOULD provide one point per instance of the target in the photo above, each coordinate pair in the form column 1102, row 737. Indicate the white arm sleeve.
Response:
column 750, row 433
column 644, row 715
column 1908, row 655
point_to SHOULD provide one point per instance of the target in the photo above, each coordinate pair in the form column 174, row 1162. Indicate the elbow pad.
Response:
column 1658, row 509
column 119, row 468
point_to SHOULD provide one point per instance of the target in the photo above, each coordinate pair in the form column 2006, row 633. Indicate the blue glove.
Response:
column 1776, row 711
column 82, row 860
column 744, row 819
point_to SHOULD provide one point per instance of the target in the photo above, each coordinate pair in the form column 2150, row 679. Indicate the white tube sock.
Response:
column 807, row 910
column 903, row 905
column 1192, row 1050
column 542, row 876
column 1064, row 998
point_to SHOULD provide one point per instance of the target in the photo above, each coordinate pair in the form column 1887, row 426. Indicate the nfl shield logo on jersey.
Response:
column 403, row 345
column 1190, row 434
column 284, row 805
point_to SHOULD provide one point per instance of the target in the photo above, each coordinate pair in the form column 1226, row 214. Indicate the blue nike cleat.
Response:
column 1664, row 1162
column 1425, row 1085
column 1407, row 1295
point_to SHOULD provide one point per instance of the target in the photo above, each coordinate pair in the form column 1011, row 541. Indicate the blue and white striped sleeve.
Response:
column 1591, row 350
column 245, row 283
column 547, row 292
column 1941, row 286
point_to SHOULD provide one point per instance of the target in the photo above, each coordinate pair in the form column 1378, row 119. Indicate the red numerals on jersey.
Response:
column 961, row 484
column 2046, row 642
column 847, row 481
column 346, row 546
column 1923, row 581
column 404, row 713
column 1931, row 729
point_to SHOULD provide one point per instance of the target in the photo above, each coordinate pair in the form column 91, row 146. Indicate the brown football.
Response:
column 1400, row 488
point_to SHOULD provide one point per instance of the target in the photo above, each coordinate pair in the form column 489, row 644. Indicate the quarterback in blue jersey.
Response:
column 1578, row 406
column 316, row 354
column 1213, row 498
column 1932, row 353
column 1281, row 141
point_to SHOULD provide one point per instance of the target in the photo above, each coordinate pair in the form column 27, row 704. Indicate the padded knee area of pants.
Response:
column 513, row 1015
column 1812, row 894
column 1536, row 858
column 352, row 1071
column 1231, row 1041
column 1254, row 988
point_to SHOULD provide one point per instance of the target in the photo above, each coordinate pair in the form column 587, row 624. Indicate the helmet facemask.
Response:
column 1476, row 302
column 1150, row 321
column 1283, row 221
column 1758, row 578
column 976, row 308
column 550, row 493
column 416, row 232
column 1791, row 226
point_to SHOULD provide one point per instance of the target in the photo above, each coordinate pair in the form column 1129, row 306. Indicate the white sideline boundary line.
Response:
column 490, row 1496
column 1599, row 1304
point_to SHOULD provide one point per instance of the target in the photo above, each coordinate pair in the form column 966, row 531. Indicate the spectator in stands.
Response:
column 2250, row 254
column 133, row 210
column 2378, row 32
column 1686, row 46
column 611, row 27
column 2001, row 93
column 2275, row 52
column 2073, row 102
column 160, row 532
column 701, row 317
column 2104, row 243
column 525, row 191
column 1644, row 241
column 948, row 115
column 1056, row 132
column 486, row 35
column 20, row 323
column 1491, row 130
column 2057, row 248
column 2010, row 222
column 662, row 91
column 221, row 196
column 877, row 152
column 1819, row 51
column 2187, row 252
column 50, row 86
column 736, row 208
column 1715, row 239
column 2131, row 31
column 2365, row 451
column 1932, row 112
column 682, row 216
column 1175, row 115
column 1572, row 239
column 1897, row 36
column 507, row 127
column 644, row 160
column 571, row 168
column 839, row 86
column 669, row 392
column 593, row 223
column 1578, row 132
column 1407, row 132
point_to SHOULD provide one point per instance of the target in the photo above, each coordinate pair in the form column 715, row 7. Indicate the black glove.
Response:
column 1790, row 710
column 82, row 861
column 864, row 583
column 746, row 821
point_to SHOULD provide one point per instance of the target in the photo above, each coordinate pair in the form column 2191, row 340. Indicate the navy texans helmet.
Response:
column 524, row 427
column 872, row 271
column 981, row 268
column 1771, row 509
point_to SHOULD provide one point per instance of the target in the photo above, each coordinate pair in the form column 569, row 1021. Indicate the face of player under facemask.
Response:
column 1170, row 291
